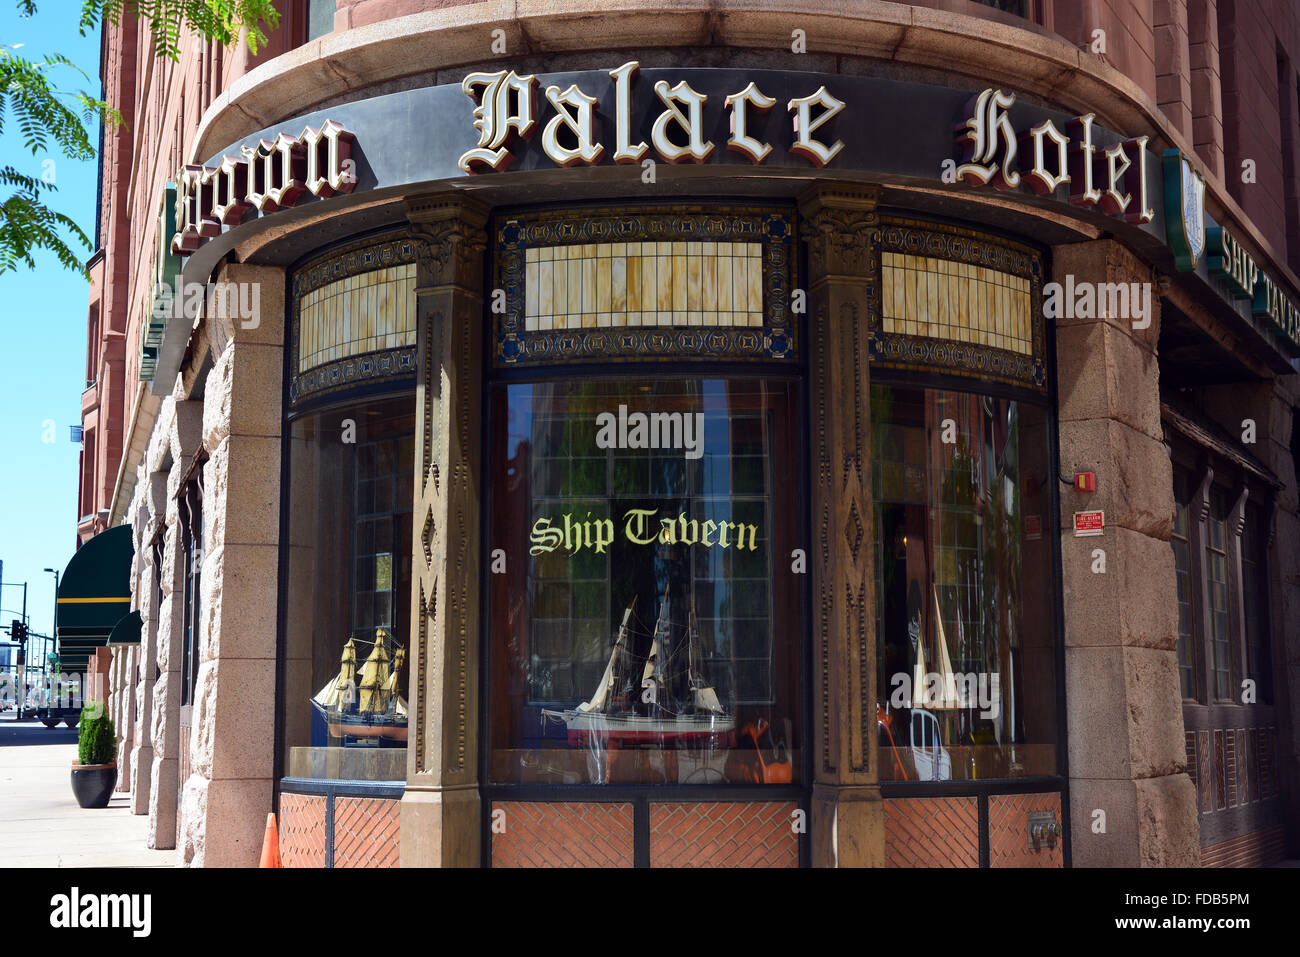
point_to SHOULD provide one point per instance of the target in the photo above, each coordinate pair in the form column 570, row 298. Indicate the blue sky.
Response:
column 43, row 345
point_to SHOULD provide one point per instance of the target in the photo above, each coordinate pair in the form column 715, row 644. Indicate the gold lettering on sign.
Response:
column 1135, row 180
column 805, row 126
column 674, row 97
column 580, row 123
column 261, row 163
column 498, row 117
column 639, row 527
column 291, row 160
column 1040, row 179
column 328, row 151
column 191, row 227
column 1117, row 163
column 625, row 152
column 983, row 135
column 230, row 188
column 739, row 104
column 1082, row 192
column 266, row 177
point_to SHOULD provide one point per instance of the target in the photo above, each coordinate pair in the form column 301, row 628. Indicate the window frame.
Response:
column 622, row 369
column 1208, row 475
column 190, row 505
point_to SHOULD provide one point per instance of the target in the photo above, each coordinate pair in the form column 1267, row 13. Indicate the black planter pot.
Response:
column 93, row 784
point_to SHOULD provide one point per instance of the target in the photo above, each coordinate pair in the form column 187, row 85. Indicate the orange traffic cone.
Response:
column 270, row 844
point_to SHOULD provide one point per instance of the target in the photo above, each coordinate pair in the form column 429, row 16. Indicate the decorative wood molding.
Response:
column 840, row 226
column 449, row 246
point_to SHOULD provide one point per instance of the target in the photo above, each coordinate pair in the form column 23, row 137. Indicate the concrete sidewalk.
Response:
column 40, row 822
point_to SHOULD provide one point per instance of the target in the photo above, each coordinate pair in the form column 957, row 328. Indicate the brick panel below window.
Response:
column 571, row 834
column 302, row 830
column 932, row 832
column 1009, row 831
column 366, row 832
column 723, row 834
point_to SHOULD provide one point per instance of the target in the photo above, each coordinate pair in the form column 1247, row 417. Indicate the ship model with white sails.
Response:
column 366, row 706
column 670, row 702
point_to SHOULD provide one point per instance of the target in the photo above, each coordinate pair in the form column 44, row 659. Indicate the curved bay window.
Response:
column 349, row 582
column 645, row 628
column 965, row 647
column 645, row 638
column 349, row 505
column 962, row 483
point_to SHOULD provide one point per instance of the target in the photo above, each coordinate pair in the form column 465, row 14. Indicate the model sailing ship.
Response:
column 371, row 707
column 658, row 708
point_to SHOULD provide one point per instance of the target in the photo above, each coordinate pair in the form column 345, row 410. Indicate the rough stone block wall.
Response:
column 229, row 789
column 1206, row 91
column 1251, row 35
column 1173, row 67
column 1129, row 28
column 1123, row 702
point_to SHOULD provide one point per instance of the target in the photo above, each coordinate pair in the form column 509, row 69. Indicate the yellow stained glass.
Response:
column 941, row 299
column 679, row 283
column 357, row 314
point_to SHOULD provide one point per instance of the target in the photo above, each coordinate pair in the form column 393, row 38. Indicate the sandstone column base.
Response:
column 162, row 803
column 1151, row 822
column 440, row 828
column 848, row 826
column 141, row 775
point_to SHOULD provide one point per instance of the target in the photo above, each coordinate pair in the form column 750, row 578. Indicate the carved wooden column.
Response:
column 839, row 222
column 440, row 809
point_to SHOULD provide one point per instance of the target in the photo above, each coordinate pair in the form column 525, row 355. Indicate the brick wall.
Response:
column 932, row 832
column 328, row 830
column 1263, row 848
column 570, row 834
column 723, row 834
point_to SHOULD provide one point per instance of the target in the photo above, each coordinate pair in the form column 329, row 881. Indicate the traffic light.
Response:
column 18, row 632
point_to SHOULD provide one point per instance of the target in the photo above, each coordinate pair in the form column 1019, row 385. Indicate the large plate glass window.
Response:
column 965, row 642
column 349, row 588
column 645, row 620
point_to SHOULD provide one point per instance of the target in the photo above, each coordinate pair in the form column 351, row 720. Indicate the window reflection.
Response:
column 351, row 478
column 964, row 649
column 637, row 636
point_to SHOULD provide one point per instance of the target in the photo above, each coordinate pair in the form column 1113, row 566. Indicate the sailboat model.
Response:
column 624, row 710
column 370, row 707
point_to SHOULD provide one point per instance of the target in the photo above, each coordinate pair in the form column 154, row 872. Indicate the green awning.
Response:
column 94, row 595
column 126, row 631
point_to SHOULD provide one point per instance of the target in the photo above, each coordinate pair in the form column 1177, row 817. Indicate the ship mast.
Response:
column 600, row 700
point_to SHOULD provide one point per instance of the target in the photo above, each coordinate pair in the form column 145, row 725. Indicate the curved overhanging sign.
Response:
column 506, row 111
column 506, row 114
column 269, row 176
column 520, row 122
column 888, row 129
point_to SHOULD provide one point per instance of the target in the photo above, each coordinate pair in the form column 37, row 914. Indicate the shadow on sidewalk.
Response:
column 20, row 733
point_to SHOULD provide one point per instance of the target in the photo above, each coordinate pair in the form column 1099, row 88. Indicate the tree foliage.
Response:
column 54, row 121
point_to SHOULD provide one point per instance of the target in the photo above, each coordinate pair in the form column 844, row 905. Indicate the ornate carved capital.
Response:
column 840, row 226
column 450, row 241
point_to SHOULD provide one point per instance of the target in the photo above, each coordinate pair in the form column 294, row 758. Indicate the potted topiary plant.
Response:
column 94, row 775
